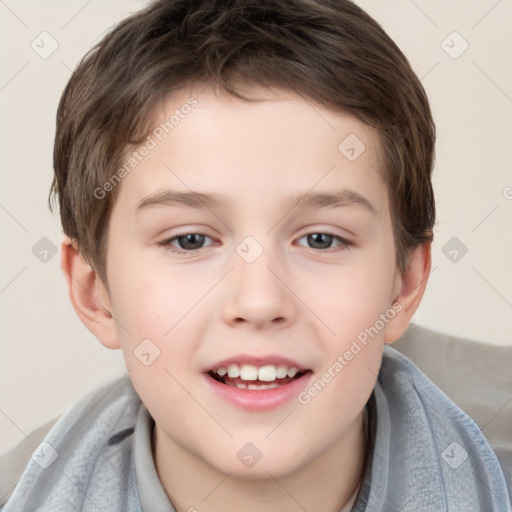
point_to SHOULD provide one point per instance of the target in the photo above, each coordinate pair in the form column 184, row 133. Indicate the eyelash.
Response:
column 344, row 243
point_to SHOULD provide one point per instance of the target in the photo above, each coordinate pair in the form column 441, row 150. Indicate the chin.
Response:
column 251, row 463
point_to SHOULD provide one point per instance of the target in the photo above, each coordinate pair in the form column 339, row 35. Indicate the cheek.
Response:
column 352, row 353
column 350, row 299
column 153, row 300
column 154, row 310
column 354, row 309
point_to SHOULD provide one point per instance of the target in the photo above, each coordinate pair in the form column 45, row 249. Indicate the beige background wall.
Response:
column 48, row 359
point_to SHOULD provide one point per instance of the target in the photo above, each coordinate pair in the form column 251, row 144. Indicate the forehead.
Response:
column 281, row 144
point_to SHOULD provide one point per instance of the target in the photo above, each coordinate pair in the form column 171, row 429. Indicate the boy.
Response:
column 245, row 187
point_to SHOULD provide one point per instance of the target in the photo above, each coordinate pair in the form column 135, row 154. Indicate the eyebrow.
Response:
column 306, row 200
column 331, row 200
column 191, row 199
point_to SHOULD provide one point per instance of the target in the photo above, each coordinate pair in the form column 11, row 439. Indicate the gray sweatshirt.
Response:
column 427, row 455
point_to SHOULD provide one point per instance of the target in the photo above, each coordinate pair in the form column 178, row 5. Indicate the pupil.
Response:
column 192, row 241
column 322, row 240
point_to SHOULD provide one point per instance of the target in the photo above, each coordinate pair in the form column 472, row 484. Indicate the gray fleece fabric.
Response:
column 428, row 455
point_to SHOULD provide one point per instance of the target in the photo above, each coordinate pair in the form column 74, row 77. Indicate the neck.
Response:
column 325, row 484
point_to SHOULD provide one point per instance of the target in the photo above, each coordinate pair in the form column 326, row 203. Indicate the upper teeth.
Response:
column 266, row 373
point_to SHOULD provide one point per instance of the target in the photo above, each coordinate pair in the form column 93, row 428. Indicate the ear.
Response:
column 88, row 295
column 411, row 285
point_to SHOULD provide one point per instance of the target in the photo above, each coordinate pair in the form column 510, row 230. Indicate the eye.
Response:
column 324, row 241
column 191, row 242
column 188, row 242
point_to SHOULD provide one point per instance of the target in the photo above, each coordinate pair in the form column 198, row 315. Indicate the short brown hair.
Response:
column 328, row 50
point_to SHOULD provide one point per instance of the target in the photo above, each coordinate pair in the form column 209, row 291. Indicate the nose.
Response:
column 258, row 295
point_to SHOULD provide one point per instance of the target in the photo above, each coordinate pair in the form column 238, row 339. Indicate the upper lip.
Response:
column 256, row 361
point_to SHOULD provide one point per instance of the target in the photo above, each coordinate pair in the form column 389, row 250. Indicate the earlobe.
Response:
column 88, row 295
column 413, row 282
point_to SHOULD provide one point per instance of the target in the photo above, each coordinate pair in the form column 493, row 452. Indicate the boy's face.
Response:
column 256, row 288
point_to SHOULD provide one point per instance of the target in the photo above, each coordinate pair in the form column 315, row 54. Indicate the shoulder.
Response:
column 13, row 462
column 474, row 374
column 426, row 441
column 76, row 444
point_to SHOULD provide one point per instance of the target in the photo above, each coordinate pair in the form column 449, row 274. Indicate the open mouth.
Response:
column 247, row 376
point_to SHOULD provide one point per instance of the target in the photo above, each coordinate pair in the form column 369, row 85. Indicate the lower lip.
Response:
column 259, row 399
